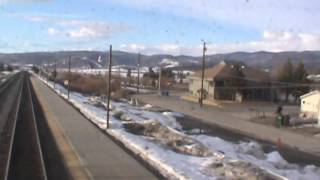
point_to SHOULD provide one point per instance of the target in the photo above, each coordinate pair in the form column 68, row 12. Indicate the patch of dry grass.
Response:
column 92, row 84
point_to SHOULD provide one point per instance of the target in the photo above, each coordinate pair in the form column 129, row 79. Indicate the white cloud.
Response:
column 132, row 47
column 80, row 29
column 270, row 41
column 53, row 31
column 275, row 42
column 35, row 18
column 158, row 49
column 284, row 41
column 23, row 1
column 284, row 15
column 90, row 30
column 169, row 47
column 74, row 28
column 84, row 32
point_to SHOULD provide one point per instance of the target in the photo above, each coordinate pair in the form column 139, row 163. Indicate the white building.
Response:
column 310, row 105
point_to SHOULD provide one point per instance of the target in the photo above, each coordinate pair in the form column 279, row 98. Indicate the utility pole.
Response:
column 55, row 74
column 139, row 56
column 159, row 83
column 69, row 75
column 202, row 74
column 109, row 86
column 119, row 72
column 47, row 74
column 119, row 75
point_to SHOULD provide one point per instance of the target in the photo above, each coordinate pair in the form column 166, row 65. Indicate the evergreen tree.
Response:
column 300, row 73
column 285, row 74
column 300, row 77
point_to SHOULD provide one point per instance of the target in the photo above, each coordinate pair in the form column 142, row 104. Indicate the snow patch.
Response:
column 168, row 63
column 174, row 165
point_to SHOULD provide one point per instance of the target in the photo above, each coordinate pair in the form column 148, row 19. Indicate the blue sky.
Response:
column 159, row 26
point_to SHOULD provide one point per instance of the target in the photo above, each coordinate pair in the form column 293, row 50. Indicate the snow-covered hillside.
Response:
column 168, row 63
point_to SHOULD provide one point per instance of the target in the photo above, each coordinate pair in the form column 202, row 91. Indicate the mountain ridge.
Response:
column 262, row 59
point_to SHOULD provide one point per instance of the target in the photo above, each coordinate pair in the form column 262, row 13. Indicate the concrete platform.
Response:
column 97, row 153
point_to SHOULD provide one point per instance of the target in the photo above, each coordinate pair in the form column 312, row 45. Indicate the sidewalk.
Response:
column 97, row 152
column 217, row 116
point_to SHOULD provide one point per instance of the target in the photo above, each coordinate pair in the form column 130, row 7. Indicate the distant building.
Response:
column 310, row 105
column 257, row 83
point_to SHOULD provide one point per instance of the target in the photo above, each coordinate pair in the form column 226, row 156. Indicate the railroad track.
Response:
column 5, row 84
column 21, row 156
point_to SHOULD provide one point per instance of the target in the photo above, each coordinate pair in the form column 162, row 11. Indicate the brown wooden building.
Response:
column 257, row 83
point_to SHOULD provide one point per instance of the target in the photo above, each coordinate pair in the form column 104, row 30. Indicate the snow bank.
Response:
column 252, row 152
column 134, row 89
column 228, row 160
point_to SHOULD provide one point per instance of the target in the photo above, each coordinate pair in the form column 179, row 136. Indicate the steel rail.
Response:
column 16, row 116
column 43, row 169
column 25, row 88
column 7, row 83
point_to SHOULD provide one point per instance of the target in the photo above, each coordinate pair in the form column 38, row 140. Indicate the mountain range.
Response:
column 99, row 59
